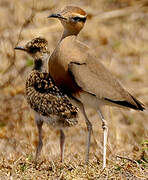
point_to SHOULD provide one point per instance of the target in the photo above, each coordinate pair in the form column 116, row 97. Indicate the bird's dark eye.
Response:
column 33, row 50
column 80, row 19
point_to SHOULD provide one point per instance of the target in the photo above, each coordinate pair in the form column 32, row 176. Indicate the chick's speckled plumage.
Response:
column 46, row 99
column 50, row 103
column 41, row 92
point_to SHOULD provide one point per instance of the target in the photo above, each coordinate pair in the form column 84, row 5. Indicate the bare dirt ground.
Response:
column 117, row 30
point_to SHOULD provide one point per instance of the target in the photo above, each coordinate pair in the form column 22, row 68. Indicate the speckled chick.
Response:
column 45, row 98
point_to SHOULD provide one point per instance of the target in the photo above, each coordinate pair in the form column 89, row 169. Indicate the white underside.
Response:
column 53, row 121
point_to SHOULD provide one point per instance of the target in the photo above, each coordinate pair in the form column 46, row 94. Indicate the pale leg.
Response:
column 39, row 124
column 89, row 129
column 62, row 143
column 105, row 132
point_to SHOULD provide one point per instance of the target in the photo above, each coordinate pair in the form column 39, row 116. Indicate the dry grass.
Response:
column 121, row 43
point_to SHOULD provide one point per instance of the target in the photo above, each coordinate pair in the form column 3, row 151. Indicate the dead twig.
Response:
column 119, row 13
column 12, row 78
column 25, row 24
column 131, row 160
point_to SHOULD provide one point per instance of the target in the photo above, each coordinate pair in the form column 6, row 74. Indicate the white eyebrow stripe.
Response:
column 79, row 15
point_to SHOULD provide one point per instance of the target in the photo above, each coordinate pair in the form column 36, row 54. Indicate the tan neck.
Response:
column 67, row 33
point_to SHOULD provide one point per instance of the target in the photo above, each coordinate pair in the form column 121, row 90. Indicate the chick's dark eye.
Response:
column 80, row 19
column 34, row 49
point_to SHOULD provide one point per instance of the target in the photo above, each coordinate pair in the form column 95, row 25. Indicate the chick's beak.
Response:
column 20, row 48
column 59, row 16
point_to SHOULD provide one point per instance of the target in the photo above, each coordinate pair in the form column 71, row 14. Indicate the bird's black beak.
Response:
column 59, row 16
column 20, row 48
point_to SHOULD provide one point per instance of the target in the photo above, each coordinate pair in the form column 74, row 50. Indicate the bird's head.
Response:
column 72, row 18
column 37, row 48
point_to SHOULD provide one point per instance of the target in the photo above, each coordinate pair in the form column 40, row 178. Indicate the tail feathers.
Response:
column 137, row 105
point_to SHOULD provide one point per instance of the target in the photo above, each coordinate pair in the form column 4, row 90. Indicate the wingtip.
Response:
column 135, row 104
column 139, row 105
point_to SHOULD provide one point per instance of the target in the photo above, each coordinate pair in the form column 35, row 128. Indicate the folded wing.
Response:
column 96, row 79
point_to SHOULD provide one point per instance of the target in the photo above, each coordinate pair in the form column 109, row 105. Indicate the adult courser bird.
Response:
column 82, row 77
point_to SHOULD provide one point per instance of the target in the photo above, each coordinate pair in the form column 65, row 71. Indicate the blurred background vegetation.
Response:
column 117, row 30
